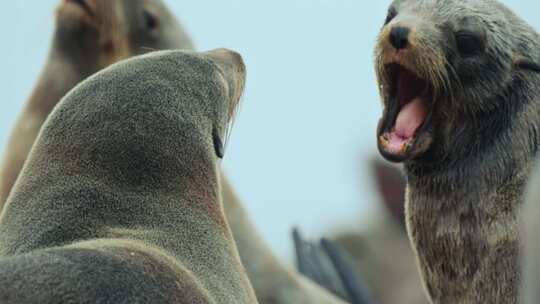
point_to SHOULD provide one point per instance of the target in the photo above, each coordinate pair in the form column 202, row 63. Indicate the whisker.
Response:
column 148, row 49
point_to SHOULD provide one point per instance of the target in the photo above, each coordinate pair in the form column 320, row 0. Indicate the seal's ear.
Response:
column 218, row 143
column 526, row 64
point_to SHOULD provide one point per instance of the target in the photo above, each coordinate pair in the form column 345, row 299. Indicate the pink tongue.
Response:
column 410, row 118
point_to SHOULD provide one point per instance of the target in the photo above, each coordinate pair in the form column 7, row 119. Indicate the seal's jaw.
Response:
column 405, row 130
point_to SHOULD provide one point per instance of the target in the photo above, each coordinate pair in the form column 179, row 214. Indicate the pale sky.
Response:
column 307, row 125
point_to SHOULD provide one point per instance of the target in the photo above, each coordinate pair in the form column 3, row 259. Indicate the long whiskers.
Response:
column 148, row 49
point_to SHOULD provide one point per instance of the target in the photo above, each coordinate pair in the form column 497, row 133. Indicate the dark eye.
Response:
column 218, row 144
column 392, row 13
column 469, row 44
column 150, row 21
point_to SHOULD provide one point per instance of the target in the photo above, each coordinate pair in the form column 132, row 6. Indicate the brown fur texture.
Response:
column 86, row 40
column 469, row 164
column 120, row 200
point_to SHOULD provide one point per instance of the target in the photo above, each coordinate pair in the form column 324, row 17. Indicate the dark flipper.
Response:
column 313, row 262
column 328, row 265
column 353, row 284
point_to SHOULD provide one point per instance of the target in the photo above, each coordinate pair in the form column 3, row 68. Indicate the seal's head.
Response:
column 100, row 32
column 148, row 120
column 444, row 66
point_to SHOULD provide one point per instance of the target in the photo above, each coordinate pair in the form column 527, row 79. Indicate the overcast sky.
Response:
column 307, row 125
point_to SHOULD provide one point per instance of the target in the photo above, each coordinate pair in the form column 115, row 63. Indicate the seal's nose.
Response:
column 399, row 37
column 227, row 59
column 234, row 69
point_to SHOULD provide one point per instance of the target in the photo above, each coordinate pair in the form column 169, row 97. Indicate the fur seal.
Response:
column 119, row 201
column 461, row 94
column 89, row 35
column 140, row 26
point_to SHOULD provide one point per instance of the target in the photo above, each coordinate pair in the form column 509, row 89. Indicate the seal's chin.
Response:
column 405, row 130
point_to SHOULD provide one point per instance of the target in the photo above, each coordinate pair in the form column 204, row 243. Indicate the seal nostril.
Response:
column 399, row 37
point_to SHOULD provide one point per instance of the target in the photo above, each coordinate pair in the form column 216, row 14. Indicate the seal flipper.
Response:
column 328, row 265
column 352, row 282
column 314, row 264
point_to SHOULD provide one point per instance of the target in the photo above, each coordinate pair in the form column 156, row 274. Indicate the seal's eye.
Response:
column 218, row 144
column 469, row 43
column 150, row 21
column 392, row 13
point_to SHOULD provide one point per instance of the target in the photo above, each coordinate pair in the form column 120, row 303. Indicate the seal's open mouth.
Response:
column 405, row 130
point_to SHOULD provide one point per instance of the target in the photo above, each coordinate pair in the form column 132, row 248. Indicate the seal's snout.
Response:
column 399, row 37
column 411, row 71
column 230, row 61
column 233, row 68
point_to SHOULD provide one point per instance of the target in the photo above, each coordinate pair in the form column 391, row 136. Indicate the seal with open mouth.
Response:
column 405, row 132
column 460, row 88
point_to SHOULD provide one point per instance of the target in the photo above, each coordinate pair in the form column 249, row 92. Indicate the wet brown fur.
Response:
column 464, row 193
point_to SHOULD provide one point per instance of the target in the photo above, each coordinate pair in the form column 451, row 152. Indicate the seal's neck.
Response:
column 484, row 150
column 143, row 153
column 60, row 74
